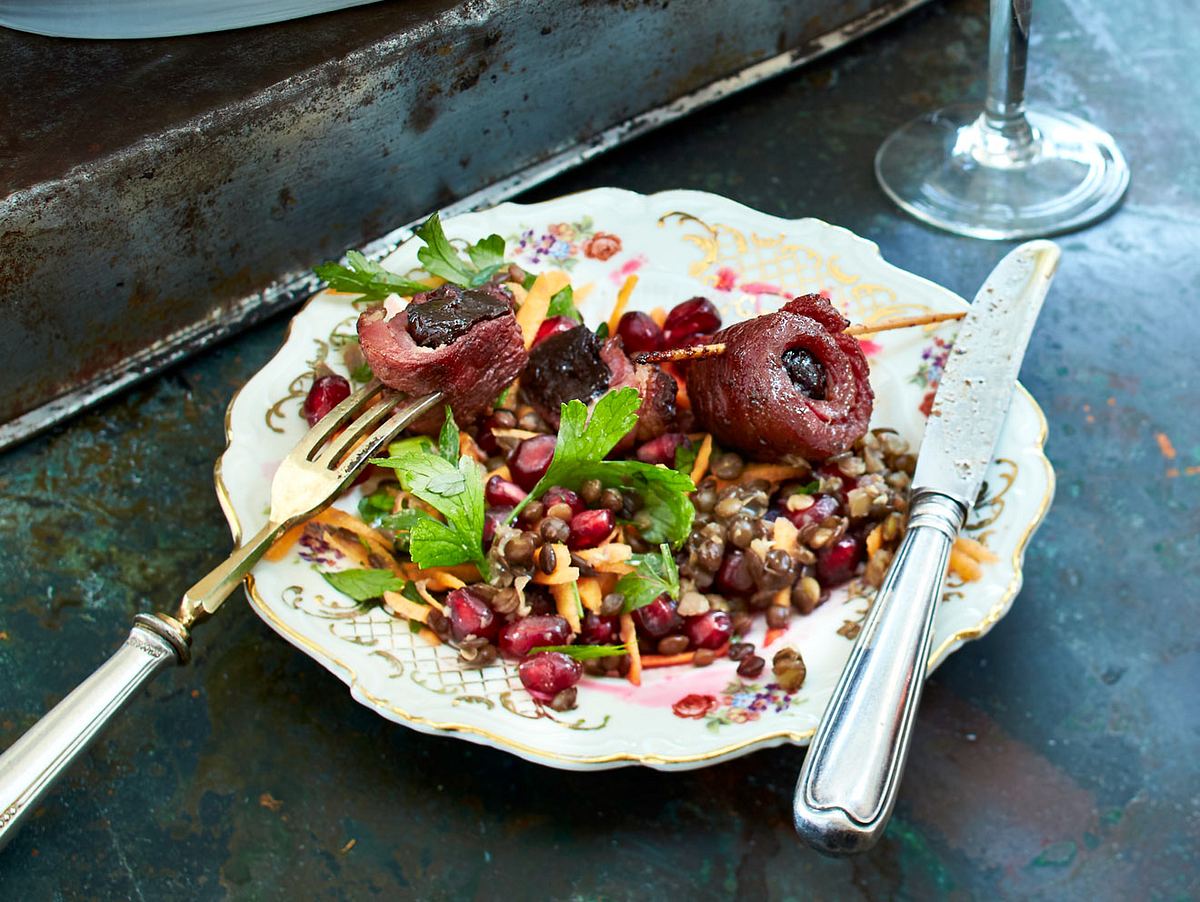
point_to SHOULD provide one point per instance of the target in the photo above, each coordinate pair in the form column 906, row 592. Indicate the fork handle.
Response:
column 34, row 763
column 851, row 774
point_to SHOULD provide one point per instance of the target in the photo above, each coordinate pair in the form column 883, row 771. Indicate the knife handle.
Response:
column 34, row 763
column 851, row 773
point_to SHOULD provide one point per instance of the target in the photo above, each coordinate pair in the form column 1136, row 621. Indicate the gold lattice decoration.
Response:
column 434, row 668
column 777, row 260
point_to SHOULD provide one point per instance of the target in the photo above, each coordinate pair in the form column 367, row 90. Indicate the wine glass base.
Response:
column 942, row 168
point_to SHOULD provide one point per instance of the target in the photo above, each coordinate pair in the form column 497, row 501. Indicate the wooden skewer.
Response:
column 717, row 348
column 903, row 322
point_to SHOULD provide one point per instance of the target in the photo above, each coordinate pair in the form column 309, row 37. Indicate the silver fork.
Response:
column 310, row 477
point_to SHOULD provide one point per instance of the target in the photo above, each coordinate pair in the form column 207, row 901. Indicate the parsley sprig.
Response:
column 453, row 489
column 439, row 258
column 653, row 575
column 364, row 585
column 583, row 652
column 366, row 277
column 579, row 455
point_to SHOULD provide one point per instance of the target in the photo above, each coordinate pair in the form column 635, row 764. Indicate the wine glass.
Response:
column 1005, row 172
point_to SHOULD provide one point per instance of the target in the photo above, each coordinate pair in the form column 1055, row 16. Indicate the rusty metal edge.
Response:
column 294, row 287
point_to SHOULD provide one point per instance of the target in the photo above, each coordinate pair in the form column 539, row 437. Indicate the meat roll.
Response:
column 789, row 384
column 576, row 365
column 464, row 343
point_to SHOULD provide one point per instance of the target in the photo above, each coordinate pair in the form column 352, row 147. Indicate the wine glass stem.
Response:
column 1008, row 48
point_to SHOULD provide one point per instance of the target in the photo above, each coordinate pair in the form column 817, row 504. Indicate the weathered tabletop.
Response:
column 1055, row 757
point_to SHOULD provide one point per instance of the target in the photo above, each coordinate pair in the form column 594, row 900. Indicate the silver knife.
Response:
column 851, row 774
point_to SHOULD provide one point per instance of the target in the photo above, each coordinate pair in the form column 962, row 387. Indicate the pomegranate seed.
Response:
column 470, row 616
column 597, row 630
column 709, row 630
column 529, row 632
column 558, row 495
column 492, row 519
column 327, row 392
column 499, row 492
column 530, row 460
column 823, row 506
column 553, row 326
column 658, row 618
column 662, row 450
column 836, row 562
column 639, row 333
column 689, row 320
column 733, row 576
column 548, row 673
column 590, row 528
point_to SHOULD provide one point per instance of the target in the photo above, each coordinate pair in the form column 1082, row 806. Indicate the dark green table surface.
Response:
column 1057, row 757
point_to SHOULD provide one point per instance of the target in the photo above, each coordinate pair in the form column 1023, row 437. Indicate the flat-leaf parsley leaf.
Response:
column 454, row 491
column 579, row 454
column 654, row 575
column 363, row 585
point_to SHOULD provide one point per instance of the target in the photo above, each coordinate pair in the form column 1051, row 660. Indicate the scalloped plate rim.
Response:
column 472, row 733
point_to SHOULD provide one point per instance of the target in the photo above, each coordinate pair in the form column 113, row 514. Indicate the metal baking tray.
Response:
column 157, row 196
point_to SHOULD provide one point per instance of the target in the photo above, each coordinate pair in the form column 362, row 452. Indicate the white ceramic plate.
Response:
column 680, row 243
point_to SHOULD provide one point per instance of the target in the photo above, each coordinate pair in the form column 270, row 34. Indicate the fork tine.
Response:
column 385, row 432
column 335, row 419
column 328, row 455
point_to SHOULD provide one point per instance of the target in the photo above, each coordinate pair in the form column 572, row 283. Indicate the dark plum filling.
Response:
column 449, row 313
column 806, row 371
column 566, row 366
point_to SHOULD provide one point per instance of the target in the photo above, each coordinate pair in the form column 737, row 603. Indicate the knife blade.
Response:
column 977, row 382
column 851, row 774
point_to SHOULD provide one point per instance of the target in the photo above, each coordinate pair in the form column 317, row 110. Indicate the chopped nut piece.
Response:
column 691, row 604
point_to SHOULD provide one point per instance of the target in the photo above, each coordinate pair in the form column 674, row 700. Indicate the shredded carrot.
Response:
column 284, row 543
column 772, row 472
column 568, row 607
column 331, row 516
column 607, row 582
column 617, row 568
column 614, row 318
column 649, row 662
column 976, row 550
column 684, row 657
column 429, row 636
column 659, row 315
column 564, row 572
column 351, row 549
column 518, row 293
column 700, row 467
column 410, row 610
column 773, row 634
column 874, row 541
column 467, row 446
column 440, row 579
column 682, row 401
column 590, row 595
column 533, row 312
column 502, row 471
column 629, row 637
column 965, row 566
